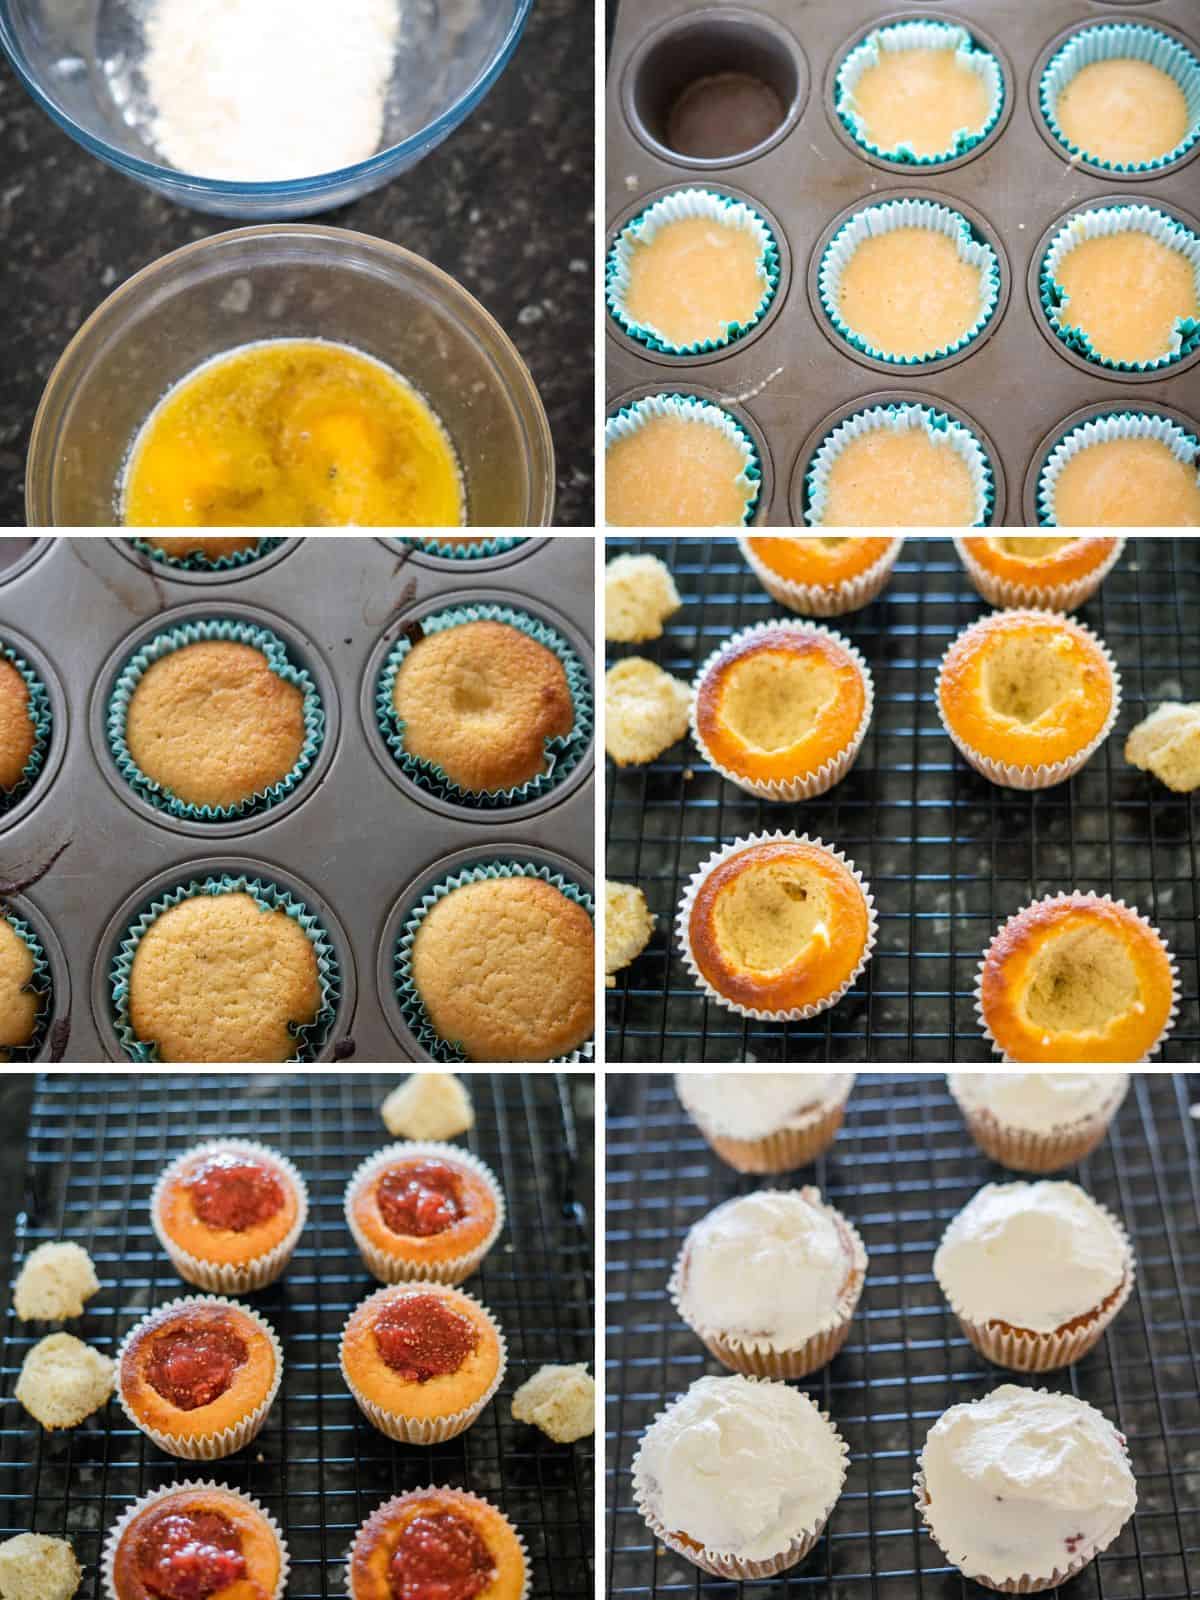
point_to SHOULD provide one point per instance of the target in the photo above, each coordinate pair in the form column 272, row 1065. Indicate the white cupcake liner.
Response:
column 1007, row 774
column 230, row 1277
column 1104, row 223
column 423, row 1430
column 1006, row 594
column 1185, row 447
column 874, row 221
column 688, row 408
column 829, row 772
column 415, row 1494
column 823, row 599
column 1108, row 41
column 390, row 1268
column 760, row 1357
column 714, row 1561
column 1034, row 1150
column 1079, row 898
column 894, row 39
column 210, row 1446
column 797, row 1144
column 681, row 206
column 195, row 1485
column 942, row 429
column 796, row 1013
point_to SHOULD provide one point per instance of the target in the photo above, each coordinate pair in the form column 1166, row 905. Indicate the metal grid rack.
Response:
column 948, row 855
column 95, row 1147
column 901, row 1167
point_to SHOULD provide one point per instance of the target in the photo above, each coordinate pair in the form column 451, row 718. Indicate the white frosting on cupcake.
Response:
column 1037, row 1102
column 751, row 1105
column 1034, row 1255
column 1025, row 1482
column 741, row 1466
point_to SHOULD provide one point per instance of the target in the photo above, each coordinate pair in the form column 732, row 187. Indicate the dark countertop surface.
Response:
column 505, row 206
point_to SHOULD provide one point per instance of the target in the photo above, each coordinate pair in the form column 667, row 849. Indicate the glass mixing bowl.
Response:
column 79, row 59
column 289, row 281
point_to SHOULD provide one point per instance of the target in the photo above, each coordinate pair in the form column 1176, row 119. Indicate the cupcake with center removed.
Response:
column 819, row 575
column 766, row 1121
column 1038, row 1121
column 1048, row 572
column 769, row 1281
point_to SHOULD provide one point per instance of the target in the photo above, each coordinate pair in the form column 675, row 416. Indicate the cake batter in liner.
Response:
column 940, row 428
column 1183, row 446
column 689, row 408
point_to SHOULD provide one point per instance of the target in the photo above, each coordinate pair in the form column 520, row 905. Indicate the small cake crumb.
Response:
column 646, row 711
column 429, row 1105
column 63, row 1381
column 1167, row 743
column 36, row 1567
column 54, row 1284
column 628, row 924
column 561, row 1401
column 639, row 596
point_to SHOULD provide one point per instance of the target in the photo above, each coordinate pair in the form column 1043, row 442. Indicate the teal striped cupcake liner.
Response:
column 689, row 408
column 412, row 1007
column 310, row 1037
column 900, row 36
column 900, row 418
column 40, row 983
column 874, row 221
column 476, row 550
column 280, row 663
column 1184, row 446
column 1105, row 222
column 685, row 205
column 41, row 717
column 202, row 563
column 563, row 753
column 1109, row 41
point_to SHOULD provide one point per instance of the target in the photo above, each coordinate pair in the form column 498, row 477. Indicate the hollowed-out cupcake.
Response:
column 1077, row 977
column 766, row 1121
column 909, row 281
column 820, row 577
column 484, row 705
column 186, row 1537
column 1038, row 1121
column 213, row 720
column 781, row 710
column 921, row 93
column 24, row 726
column 1120, row 285
column 205, row 552
column 1124, row 96
column 672, row 460
column 901, row 466
column 693, row 272
column 1052, row 574
column 463, row 546
column 25, row 990
column 1130, row 469
column 1028, row 697
column 769, row 1282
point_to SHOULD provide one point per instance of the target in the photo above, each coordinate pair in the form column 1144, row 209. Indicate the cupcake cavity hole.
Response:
column 769, row 914
column 722, row 115
column 1028, row 548
column 1025, row 678
column 1081, row 982
column 772, row 702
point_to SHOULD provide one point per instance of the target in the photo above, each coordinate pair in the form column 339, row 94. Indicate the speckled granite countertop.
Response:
column 505, row 206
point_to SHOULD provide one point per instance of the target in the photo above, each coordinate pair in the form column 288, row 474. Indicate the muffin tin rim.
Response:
column 17, row 568
column 26, row 907
column 60, row 725
column 1099, row 408
column 162, row 571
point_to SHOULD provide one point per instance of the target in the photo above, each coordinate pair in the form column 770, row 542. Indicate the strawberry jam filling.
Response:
column 421, row 1337
column 193, row 1366
column 235, row 1192
column 439, row 1556
column 189, row 1555
column 420, row 1198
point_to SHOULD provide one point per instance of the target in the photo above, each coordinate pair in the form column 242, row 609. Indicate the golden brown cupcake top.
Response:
column 17, row 737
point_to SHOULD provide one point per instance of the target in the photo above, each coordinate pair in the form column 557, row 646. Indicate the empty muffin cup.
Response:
column 661, row 484
column 24, row 1026
column 1164, row 493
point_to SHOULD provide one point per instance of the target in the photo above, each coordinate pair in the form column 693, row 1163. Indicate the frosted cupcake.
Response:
column 766, row 1121
column 1034, row 1272
column 769, row 1281
column 739, row 1476
column 1038, row 1121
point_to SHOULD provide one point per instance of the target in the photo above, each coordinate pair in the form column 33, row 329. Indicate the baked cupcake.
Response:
column 776, row 927
column 1028, row 697
column 24, row 989
column 769, row 1281
column 740, row 1476
column 766, row 1121
column 437, row 1540
column 463, row 546
column 1023, row 1489
column 426, row 1211
column 899, row 466
column 195, row 1539
column 1077, row 977
column 229, row 1214
column 422, row 1360
column 18, row 729
column 1038, row 1121
column 1034, row 1272
column 818, row 576
column 1129, row 469
column 1029, row 570
column 782, row 709
column 675, row 461
column 198, row 1376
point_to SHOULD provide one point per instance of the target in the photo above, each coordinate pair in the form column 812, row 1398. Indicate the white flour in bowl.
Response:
column 262, row 90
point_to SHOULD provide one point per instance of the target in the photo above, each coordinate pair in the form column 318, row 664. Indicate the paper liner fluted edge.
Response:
column 228, row 1277
column 690, row 408
column 823, row 599
column 197, row 562
column 781, row 1151
column 389, row 1268
column 209, row 1446
column 40, row 984
column 1031, row 1149
column 475, row 550
column 1007, row 594
column 112, row 1539
column 1184, row 446
column 415, row 1494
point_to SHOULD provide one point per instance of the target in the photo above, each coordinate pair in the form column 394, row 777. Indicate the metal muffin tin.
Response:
column 355, row 840
column 1014, row 384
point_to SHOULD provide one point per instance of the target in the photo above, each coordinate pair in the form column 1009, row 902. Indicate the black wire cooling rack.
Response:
column 901, row 1167
column 95, row 1147
column 948, row 855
